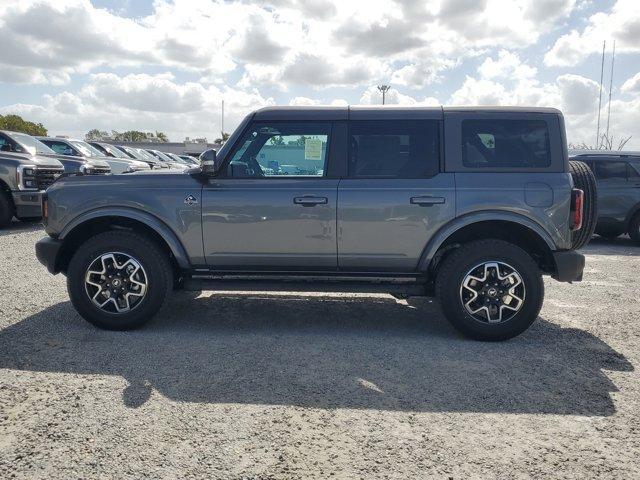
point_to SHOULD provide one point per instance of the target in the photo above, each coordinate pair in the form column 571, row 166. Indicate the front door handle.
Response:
column 425, row 201
column 310, row 201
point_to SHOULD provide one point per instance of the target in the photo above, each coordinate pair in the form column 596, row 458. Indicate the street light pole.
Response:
column 384, row 89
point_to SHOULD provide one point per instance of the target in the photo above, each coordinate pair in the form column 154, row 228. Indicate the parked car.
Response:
column 71, row 165
column 189, row 159
column 135, row 153
column 166, row 159
column 618, row 179
column 73, row 159
column 24, row 176
column 473, row 205
column 80, row 148
column 109, row 150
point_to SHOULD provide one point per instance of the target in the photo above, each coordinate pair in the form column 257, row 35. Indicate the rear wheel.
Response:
column 118, row 280
column 490, row 289
column 584, row 179
column 6, row 209
column 634, row 228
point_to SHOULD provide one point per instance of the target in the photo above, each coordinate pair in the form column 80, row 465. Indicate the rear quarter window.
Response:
column 505, row 144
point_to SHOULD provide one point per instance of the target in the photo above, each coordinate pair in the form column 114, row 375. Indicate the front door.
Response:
column 273, row 206
column 395, row 197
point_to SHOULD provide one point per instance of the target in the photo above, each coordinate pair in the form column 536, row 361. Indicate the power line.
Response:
column 604, row 44
column 613, row 58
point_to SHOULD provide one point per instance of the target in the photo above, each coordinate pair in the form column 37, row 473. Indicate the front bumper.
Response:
column 48, row 252
column 28, row 203
column 569, row 266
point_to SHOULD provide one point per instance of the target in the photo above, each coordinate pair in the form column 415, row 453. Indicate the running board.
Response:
column 409, row 286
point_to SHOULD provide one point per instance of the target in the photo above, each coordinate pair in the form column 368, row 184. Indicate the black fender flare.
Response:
column 151, row 221
column 458, row 223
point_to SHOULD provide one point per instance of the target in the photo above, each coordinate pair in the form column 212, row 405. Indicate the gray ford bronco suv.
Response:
column 473, row 205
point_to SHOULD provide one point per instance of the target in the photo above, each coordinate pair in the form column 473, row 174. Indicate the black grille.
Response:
column 45, row 177
column 100, row 170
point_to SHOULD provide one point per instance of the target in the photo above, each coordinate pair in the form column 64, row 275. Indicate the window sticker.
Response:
column 312, row 149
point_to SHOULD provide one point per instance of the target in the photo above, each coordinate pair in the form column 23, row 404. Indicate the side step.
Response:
column 404, row 286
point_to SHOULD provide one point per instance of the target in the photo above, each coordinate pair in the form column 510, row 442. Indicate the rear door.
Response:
column 395, row 196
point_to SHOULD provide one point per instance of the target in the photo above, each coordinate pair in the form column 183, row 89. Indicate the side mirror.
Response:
column 210, row 162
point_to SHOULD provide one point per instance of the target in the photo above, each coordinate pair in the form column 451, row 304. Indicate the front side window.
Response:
column 505, row 144
column 9, row 145
column 394, row 149
column 61, row 148
column 281, row 149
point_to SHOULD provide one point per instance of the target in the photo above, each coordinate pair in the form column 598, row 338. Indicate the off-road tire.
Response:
column 585, row 180
column 634, row 228
column 456, row 266
column 6, row 209
column 146, row 252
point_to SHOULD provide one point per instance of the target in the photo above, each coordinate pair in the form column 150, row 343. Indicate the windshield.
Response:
column 116, row 152
column 163, row 156
column 32, row 145
column 145, row 155
column 86, row 149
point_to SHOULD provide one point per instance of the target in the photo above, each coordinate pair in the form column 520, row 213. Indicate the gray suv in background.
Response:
column 473, row 205
column 618, row 179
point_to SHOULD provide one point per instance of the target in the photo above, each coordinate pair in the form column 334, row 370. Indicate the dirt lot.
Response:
column 350, row 386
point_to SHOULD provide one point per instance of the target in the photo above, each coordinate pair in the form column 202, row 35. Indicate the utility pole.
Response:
column 222, row 122
column 384, row 89
column 604, row 44
column 613, row 59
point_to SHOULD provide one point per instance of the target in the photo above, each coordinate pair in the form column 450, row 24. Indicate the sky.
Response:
column 75, row 65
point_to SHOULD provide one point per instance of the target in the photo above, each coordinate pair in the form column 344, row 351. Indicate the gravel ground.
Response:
column 350, row 386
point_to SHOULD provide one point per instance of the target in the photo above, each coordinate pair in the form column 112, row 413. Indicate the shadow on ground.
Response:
column 22, row 226
column 324, row 352
column 622, row 245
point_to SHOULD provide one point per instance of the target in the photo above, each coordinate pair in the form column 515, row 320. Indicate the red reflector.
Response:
column 577, row 208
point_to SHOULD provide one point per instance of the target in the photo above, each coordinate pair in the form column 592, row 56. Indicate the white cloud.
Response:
column 632, row 85
column 372, row 96
column 303, row 101
column 141, row 102
column 507, row 64
column 621, row 24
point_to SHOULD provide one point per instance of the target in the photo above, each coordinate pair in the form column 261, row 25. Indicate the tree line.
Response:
column 95, row 135
column 16, row 123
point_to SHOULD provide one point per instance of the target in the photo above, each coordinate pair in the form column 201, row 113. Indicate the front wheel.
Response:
column 118, row 280
column 490, row 289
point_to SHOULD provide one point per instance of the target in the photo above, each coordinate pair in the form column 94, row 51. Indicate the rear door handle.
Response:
column 310, row 201
column 425, row 201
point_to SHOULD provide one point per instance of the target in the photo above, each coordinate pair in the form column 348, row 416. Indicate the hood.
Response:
column 43, row 161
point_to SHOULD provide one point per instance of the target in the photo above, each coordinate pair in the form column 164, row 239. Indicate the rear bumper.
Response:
column 28, row 204
column 569, row 266
column 47, row 252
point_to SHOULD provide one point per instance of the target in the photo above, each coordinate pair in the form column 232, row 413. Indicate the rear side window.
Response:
column 611, row 171
column 505, row 144
column 60, row 148
column 394, row 149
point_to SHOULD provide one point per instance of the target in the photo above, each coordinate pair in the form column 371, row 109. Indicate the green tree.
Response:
column 220, row 141
column 16, row 123
column 95, row 135
column 162, row 137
